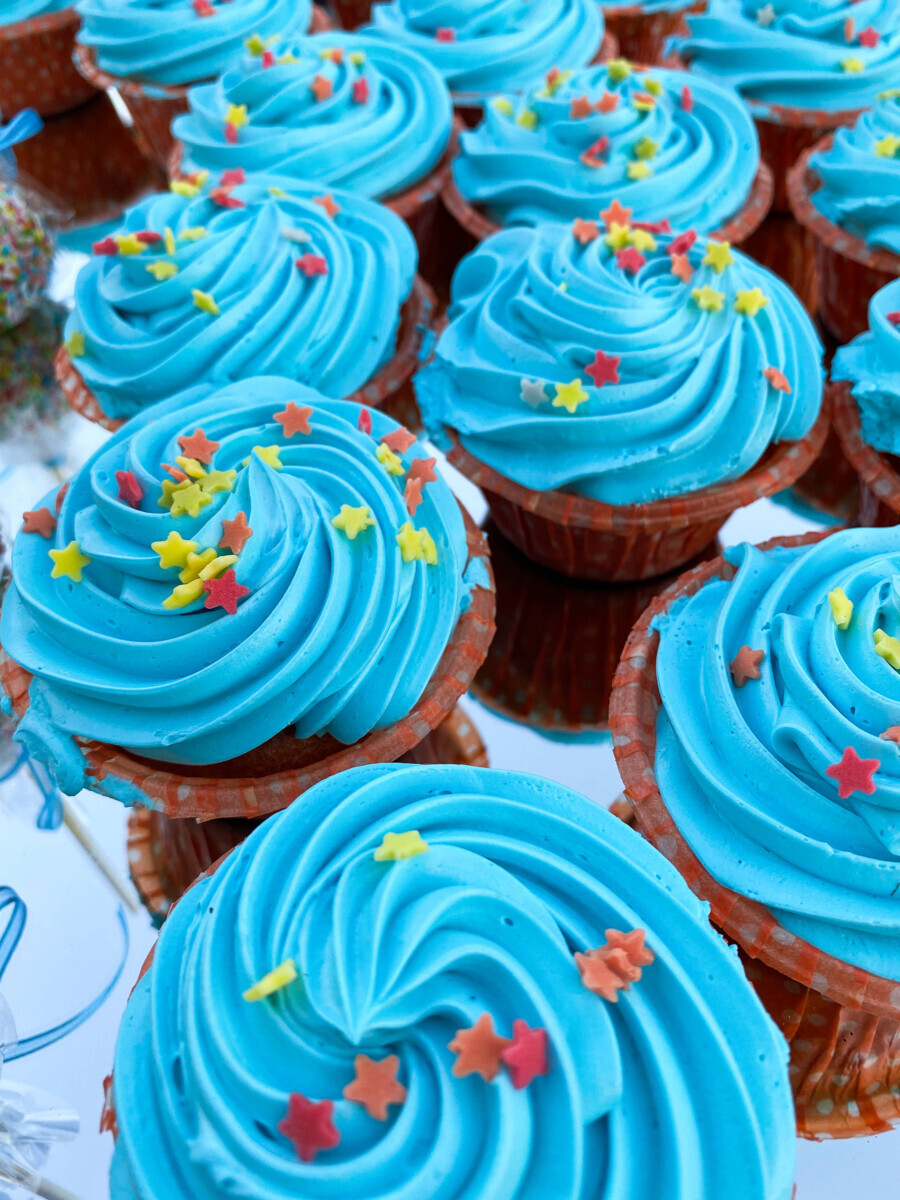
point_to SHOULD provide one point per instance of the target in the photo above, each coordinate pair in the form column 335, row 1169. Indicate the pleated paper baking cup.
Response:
column 642, row 35
column 879, row 474
column 36, row 68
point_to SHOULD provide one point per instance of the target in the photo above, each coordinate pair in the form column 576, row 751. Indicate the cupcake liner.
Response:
column 166, row 854
column 787, row 249
column 850, row 272
column 38, row 71
column 879, row 479
column 620, row 543
column 154, row 106
column 90, row 161
column 642, row 35
column 865, row 1051
column 389, row 389
column 352, row 13
column 250, row 786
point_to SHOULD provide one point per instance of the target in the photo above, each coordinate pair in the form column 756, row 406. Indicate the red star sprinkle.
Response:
column 294, row 419
column 745, row 665
column 777, row 380
column 225, row 592
column 580, row 107
column 231, row 133
column 321, row 88
column 40, row 521
column 854, row 774
column 423, row 468
column 198, row 446
column 584, row 231
column 869, row 37
column 235, row 534
column 683, row 242
column 360, row 91
column 176, row 472
column 894, row 318
column 551, row 77
column 232, row 177
column 399, row 440
column 329, row 204
column 130, row 491
column 203, row 8
column 376, row 1085
column 653, row 226
column 607, row 102
column 60, row 496
column 630, row 259
column 412, row 495
column 148, row 237
column 604, row 369
column 593, row 156
column 687, row 99
column 223, row 197
column 616, row 214
column 109, row 246
column 849, row 29
column 478, row 1050
column 268, row 59
column 526, row 1055
column 312, row 264
column 445, row 35
column 364, row 422
column 892, row 734
column 309, row 1126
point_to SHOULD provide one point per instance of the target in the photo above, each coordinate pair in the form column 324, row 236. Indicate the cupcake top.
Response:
column 618, row 363
column 224, row 279
column 482, row 47
column 871, row 363
column 830, row 55
column 231, row 564
column 22, row 10
column 183, row 41
column 778, row 748
column 472, row 970
column 860, row 175
column 347, row 111
column 687, row 153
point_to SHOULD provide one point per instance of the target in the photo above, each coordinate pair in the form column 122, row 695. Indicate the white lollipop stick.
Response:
column 77, row 827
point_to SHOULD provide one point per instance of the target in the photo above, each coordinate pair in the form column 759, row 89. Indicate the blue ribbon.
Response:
column 9, row 940
column 51, row 814
column 23, row 126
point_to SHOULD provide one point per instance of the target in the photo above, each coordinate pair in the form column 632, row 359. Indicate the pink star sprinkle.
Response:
column 869, row 37
column 360, row 91
column 854, row 774
column 604, row 369
column 445, row 35
column 630, row 259
column 309, row 1125
column 364, row 424
column 312, row 264
column 683, row 242
column 526, row 1055
column 130, row 491
column 225, row 592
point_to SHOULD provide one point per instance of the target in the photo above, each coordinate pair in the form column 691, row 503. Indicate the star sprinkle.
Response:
column 218, row 481
column 257, row 45
column 190, row 467
column 130, row 244
column 235, row 534
column 188, row 501
column 293, row 419
column 236, row 116
column 745, row 665
column 570, row 395
column 478, row 1050
column 681, row 268
column 765, row 16
column 503, row 106
column 887, row 648
column 389, row 460
column 618, row 236
column 328, row 203
column 852, row 66
column 195, row 233
column 618, row 69
column 75, row 344
column 682, row 243
column 533, row 392
column 444, row 34
column 708, row 299
column 223, row 198
column 718, row 256
column 107, row 246
column 416, row 545
column 849, row 29
column 203, row 8
column 148, row 237
column 321, row 88
column 130, row 491
column 205, row 301
column 375, row 1085
column 232, row 177
column 293, row 234
column 68, row 562
column 616, row 214
column 198, row 446
column 196, row 564
column 224, row 592
column 643, row 102
column 750, row 302
column 412, row 495
column 607, row 103
column 853, row 774
column 642, row 239
column 615, row 966
column 527, row 119
column 604, row 369
column 841, row 608
column 687, row 99
column 281, row 977
column 579, row 108
column 174, row 551
column 40, row 521
column 630, row 259
column 269, row 455
column 399, row 440
column 364, row 421
column 593, row 157
column 397, row 847
column 869, row 37
column 887, row 146
column 894, row 318
column 60, row 496
column 162, row 270
column 352, row 521
column 423, row 468
column 584, row 231
column 892, row 734
column 309, row 1126
column 312, row 264
column 777, row 380
column 645, row 147
column 526, row 1055
column 181, row 187
column 184, row 594
column 638, row 170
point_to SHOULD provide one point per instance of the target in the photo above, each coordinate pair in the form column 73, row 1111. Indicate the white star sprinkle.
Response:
column 533, row 392
column 765, row 16
column 295, row 235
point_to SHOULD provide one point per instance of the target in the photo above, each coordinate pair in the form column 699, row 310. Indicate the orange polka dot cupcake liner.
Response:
column 842, row 1023
column 879, row 478
column 260, row 790
column 38, row 71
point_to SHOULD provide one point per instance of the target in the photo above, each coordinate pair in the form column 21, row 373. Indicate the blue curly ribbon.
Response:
column 51, row 814
column 9, row 940
column 23, row 126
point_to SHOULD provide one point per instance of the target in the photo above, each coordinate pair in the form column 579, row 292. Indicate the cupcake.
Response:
column 753, row 721
column 846, row 191
column 221, row 279
column 678, row 153
column 37, row 38
column 448, row 982
column 482, row 48
column 340, row 110
column 618, row 393
column 240, row 593
column 866, row 400
column 152, row 53
column 643, row 29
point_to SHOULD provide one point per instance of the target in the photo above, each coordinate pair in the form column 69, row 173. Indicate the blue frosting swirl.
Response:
column 336, row 635
column 394, row 958
column 23, row 10
column 384, row 126
column 331, row 325
column 796, row 52
column 860, row 176
column 705, row 152
column 169, row 42
column 743, row 770
column 531, row 308
column 871, row 362
column 483, row 47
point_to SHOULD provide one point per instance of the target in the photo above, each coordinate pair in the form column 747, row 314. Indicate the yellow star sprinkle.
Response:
column 718, row 256
column 285, row 973
column 169, row 487
column 570, row 395
column 619, row 236
column 841, row 608
column 398, row 846
column 852, row 65
column 189, row 500
column 638, row 170
column 708, row 299
column 236, row 115
column 278, row 193
column 68, row 562
column 528, row 119
column 218, row 481
column 257, row 46
column 174, row 551
column 389, row 460
column 653, row 86
column 353, row 520
column 194, row 234
column 269, row 454
column 162, row 270
column 184, row 593
column 750, row 302
column 888, row 94
column 129, row 243
column 214, row 569
column 287, row 57
column 181, row 187
column 618, row 69
column 503, row 106
column 195, row 564
column 886, row 647
column 205, row 301
column 75, row 344
column 416, row 545
column 169, row 241
column 191, row 467
column 645, row 147
column 641, row 239
column 887, row 146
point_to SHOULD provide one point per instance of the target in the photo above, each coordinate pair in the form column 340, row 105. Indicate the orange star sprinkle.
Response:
column 235, row 534
column 745, row 665
column 176, row 472
column 294, row 419
column 585, row 231
column 607, row 102
column 892, row 734
column 412, row 495
column 681, row 268
column 478, row 1050
column 40, row 521
column 616, row 214
column 321, row 88
column 399, row 440
column 198, row 446
column 376, row 1085
column 580, row 107
column 616, row 965
column 329, row 204
column 777, row 380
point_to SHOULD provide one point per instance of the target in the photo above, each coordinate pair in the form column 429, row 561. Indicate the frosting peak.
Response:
column 871, row 362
